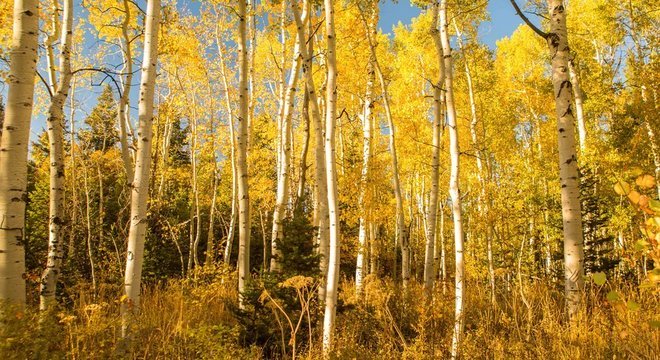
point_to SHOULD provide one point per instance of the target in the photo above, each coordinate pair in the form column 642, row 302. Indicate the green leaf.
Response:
column 655, row 324
column 632, row 306
column 654, row 205
column 599, row 278
column 612, row 296
column 640, row 245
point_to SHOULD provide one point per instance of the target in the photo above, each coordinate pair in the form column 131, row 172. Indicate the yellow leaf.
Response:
column 634, row 197
column 622, row 187
column 645, row 181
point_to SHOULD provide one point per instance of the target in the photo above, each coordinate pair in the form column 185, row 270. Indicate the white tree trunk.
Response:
column 568, row 172
column 579, row 107
column 401, row 230
column 454, row 190
column 242, row 168
column 438, row 118
column 331, row 170
column 321, row 190
column 655, row 152
column 232, row 153
column 483, row 202
column 140, row 186
column 14, row 150
column 366, row 158
column 55, row 124
column 284, row 159
column 126, row 78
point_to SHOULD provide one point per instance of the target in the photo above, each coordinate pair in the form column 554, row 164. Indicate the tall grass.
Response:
column 194, row 319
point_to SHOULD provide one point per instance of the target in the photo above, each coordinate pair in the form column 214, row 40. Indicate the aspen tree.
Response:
column 331, row 170
column 454, row 189
column 14, row 149
column 241, row 159
column 482, row 199
column 559, row 51
column 438, row 117
column 321, row 189
column 232, row 151
column 370, row 27
column 578, row 95
column 284, row 158
column 123, row 116
column 55, row 123
column 401, row 229
column 140, row 186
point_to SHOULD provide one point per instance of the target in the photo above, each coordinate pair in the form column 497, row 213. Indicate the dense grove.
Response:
column 283, row 179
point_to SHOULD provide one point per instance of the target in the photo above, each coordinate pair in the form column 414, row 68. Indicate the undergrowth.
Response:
column 197, row 318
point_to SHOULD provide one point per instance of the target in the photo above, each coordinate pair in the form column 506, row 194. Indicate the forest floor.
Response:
column 198, row 318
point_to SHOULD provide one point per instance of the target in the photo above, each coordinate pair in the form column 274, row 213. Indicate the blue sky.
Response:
column 503, row 22
column 503, row 19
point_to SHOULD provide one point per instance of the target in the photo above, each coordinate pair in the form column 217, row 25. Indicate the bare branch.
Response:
column 526, row 20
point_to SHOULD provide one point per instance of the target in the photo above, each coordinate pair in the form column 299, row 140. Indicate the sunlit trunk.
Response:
column 55, row 126
column 140, row 187
column 454, row 190
column 568, row 171
column 242, row 168
column 321, row 190
column 284, row 158
column 14, row 149
column 331, row 170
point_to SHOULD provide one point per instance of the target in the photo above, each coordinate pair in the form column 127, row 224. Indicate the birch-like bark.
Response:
column 401, row 230
column 123, row 117
column 438, row 117
column 305, row 114
column 140, row 186
column 55, row 126
column 284, row 163
column 252, row 29
column 321, row 189
column 568, row 171
column 193, row 151
column 242, row 168
column 655, row 152
column 482, row 199
column 331, row 170
column 369, row 27
column 232, row 153
column 14, row 149
column 578, row 94
column 454, row 190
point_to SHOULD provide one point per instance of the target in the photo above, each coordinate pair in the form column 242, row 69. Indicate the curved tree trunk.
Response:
column 14, row 149
column 123, row 117
column 401, row 230
column 454, row 190
column 140, row 186
column 331, row 170
column 438, row 101
column 369, row 27
column 55, row 124
column 321, row 205
column 232, row 152
column 284, row 159
column 483, row 201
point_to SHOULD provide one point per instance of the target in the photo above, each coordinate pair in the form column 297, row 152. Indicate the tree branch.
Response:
column 526, row 20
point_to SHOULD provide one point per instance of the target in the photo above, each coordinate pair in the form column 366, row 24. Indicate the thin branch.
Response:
column 45, row 83
column 526, row 20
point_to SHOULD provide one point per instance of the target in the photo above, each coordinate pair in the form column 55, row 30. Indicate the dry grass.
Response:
column 191, row 319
